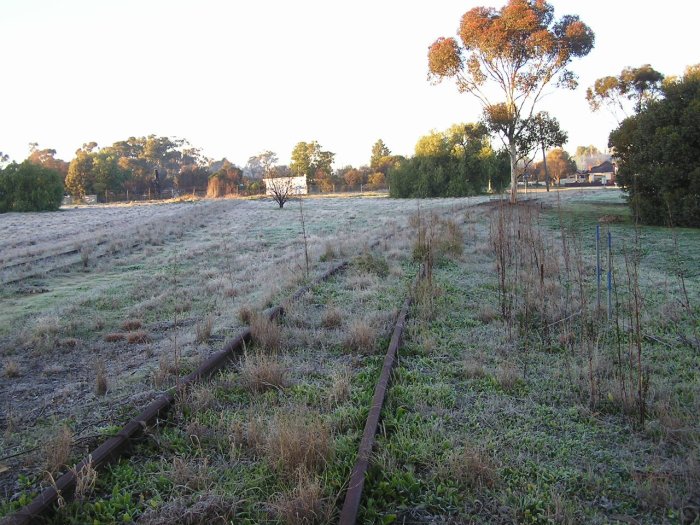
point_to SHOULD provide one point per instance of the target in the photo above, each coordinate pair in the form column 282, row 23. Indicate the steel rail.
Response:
column 116, row 445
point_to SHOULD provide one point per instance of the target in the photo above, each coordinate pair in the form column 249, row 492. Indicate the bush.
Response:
column 30, row 187
column 658, row 156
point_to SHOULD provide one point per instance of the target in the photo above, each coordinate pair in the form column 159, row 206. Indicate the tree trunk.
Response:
column 544, row 163
column 512, row 153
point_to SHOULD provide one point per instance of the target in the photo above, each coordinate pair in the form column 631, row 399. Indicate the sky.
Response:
column 238, row 78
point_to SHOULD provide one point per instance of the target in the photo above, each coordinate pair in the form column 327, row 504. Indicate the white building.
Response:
column 286, row 185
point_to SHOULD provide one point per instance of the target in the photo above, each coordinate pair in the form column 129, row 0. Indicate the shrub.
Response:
column 29, row 187
column 658, row 155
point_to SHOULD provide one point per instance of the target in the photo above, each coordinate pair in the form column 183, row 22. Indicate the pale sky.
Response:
column 236, row 78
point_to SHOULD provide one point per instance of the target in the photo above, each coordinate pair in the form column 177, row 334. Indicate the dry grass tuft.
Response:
column 203, row 329
column 361, row 337
column 261, row 372
column 471, row 467
column 114, row 337
column 298, row 441
column 191, row 474
column 473, row 368
column 245, row 314
column 652, row 488
column 131, row 324
column 304, row 505
column 250, row 435
column 85, row 479
column 11, row 368
column 267, row 334
column 487, row 314
column 340, row 386
column 138, row 337
column 331, row 318
column 57, row 450
column 508, row 377
column 100, row 378
column 69, row 342
column 370, row 263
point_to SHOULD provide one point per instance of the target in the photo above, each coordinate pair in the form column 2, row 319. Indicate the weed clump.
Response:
column 370, row 263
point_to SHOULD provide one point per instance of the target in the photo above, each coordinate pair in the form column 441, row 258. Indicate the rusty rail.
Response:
column 353, row 497
column 117, row 445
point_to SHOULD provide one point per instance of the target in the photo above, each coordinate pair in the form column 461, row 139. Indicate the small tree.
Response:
column 544, row 132
column 280, row 189
column 520, row 49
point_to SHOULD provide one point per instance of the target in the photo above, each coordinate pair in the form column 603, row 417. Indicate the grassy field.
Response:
column 515, row 400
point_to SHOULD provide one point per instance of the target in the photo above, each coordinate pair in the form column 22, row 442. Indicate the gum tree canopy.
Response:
column 519, row 49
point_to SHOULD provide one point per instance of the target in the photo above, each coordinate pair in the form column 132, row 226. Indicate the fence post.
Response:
column 609, row 275
column 597, row 257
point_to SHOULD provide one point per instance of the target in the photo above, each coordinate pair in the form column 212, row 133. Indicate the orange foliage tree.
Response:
column 520, row 49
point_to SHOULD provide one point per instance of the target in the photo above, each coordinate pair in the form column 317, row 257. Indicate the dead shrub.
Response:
column 114, row 337
column 130, row 325
column 297, row 441
column 57, row 450
column 11, row 368
column 266, row 333
column 361, row 337
column 331, row 318
column 470, row 466
column 138, row 337
column 261, row 372
column 100, row 378
column 304, row 505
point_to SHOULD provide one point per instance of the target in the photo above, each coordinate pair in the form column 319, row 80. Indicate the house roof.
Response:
column 603, row 167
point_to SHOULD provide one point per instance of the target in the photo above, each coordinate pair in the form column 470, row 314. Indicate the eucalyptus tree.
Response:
column 519, row 49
